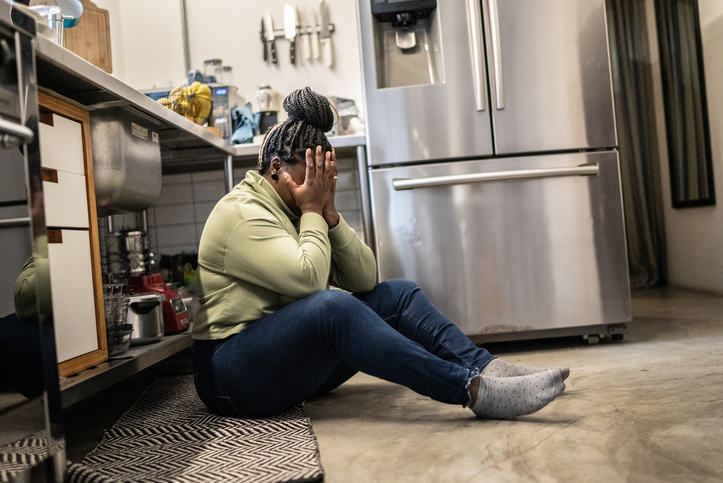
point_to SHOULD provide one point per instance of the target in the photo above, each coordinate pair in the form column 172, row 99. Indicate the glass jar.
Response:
column 226, row 75
column 263, row 97
column 212, row 70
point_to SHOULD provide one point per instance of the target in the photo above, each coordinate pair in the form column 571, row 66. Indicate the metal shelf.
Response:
column 91, row 381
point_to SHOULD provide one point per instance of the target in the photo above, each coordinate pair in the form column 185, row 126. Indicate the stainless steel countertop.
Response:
column 106, row 374
column 71, row 76
column 241, row 150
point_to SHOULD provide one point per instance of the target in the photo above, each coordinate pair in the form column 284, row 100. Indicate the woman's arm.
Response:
column 262, row 251
column 353, row 267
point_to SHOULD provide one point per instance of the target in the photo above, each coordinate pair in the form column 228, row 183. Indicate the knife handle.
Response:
column 306, row 46
column 315, row 44
column 266, row 50
column 327, row 52
column 273, row 52
column 292, row 52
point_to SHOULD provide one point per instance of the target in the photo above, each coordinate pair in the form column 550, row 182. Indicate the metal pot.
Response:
column 145, row 314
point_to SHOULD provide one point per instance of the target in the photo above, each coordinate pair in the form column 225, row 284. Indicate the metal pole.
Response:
column 142, row 220
column 361, row 158
column 228, row 172
column 186, row 43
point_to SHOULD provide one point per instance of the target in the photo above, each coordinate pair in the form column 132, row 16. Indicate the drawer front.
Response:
column 71, row 285
column 61, row 145
column 66, row 203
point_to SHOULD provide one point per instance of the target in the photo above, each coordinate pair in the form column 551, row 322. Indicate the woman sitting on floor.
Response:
column 270, row 333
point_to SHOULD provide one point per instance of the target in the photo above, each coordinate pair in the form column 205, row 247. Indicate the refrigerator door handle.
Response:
column 496, row 54
column 408, row 184
column 474, row 26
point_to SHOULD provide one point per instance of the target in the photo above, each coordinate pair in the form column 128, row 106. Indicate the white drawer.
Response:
column 66, row 203
column 71, row 285
column 61, row 145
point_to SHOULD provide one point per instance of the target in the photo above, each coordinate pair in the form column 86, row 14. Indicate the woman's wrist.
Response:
column 332, row 218
column 312, row 210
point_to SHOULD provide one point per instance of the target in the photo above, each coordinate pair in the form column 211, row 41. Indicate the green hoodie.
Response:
column 256, row 257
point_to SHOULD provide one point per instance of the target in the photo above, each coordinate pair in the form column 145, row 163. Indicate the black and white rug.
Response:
column 168, row 436
column 21, row 455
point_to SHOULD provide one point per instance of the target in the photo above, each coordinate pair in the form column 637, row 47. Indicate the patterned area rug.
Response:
column 20, row 455
column 168, row 435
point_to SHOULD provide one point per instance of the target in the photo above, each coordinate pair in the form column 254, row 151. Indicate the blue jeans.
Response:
column 315, row 344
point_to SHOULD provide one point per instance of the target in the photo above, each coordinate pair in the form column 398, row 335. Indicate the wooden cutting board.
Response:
column 90, row 39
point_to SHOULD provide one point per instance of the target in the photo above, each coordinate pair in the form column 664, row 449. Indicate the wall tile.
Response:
column 346, row 164
column 216, row 175
column 348, row 180
column 208, row 191
column 202, row 210
column 178, row 214
column 199, row 230
column 176, row 235
column 172, row 194
column 347, row 200
column 182, row 178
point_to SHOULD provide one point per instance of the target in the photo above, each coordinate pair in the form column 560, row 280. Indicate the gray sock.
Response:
column 509, row 397
column 500, row 368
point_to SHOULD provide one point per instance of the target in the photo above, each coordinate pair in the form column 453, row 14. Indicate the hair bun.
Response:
column 308, row 106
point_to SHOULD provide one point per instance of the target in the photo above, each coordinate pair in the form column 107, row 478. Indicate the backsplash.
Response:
column 176, row 222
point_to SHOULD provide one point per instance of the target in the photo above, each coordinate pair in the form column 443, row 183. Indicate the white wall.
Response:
column 147, row 45
column 695, row 235
column 146, row 41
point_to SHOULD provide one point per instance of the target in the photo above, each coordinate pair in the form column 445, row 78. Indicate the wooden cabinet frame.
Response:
column 49, row 105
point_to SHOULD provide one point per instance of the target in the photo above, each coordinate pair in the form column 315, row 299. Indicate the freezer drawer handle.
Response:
column 474, row 26
column 496, row 54
column 408, row 184
column 12, row 134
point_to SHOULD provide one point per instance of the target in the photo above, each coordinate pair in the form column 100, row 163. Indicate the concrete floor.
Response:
column 648, row 409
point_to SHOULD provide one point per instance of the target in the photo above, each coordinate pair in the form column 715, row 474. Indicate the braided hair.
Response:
column 310, row 116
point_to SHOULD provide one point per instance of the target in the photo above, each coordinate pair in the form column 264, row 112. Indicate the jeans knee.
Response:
column 336, row 301
column 400, row 286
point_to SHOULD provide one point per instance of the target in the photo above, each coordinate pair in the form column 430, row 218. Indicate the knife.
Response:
column 269, row 27
column 314, row 37
column 327, row 52
column 263, row 41
column 290, row 30
column 305, row 39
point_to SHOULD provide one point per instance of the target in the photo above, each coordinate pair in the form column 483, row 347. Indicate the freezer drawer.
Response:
column 508, row 245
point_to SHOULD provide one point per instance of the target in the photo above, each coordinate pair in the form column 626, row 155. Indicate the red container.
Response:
column 175, row 314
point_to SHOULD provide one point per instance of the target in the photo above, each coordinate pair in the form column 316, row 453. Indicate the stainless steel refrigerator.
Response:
column 493, row 171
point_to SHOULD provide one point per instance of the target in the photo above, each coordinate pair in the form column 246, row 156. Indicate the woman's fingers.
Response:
column 290, row 183
column 310, row 166
column 333, row 166
column 319, row 161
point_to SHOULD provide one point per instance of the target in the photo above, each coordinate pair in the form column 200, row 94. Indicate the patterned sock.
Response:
column 509, row 397
column 500, row 368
